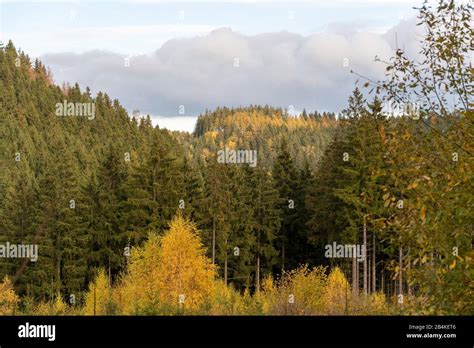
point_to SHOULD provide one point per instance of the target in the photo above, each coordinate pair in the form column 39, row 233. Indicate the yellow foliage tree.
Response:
column 55, row 306
column 8, row 298
column 98, row 300
column 225, row 300
column 168, row 274
column 59, row 307
column 184, row 272
column 265, row 301
column 379, row 305
column 337, row 294
column 299, row 292
column 138, row 290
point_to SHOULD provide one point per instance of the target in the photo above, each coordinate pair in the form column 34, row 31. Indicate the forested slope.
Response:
column 137, row 213
column 263, row 129
column 51, row 163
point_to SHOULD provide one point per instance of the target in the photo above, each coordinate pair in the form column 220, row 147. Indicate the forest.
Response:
column 132, row 219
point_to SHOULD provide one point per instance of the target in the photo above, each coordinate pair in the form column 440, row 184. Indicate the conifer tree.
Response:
column 286, row 182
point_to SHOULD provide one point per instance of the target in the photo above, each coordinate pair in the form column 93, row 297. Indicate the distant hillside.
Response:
column 263, row 129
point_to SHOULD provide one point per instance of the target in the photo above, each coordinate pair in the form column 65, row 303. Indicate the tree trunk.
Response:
column 354, row 274
column 257, row 276
column 95, row 297
column 408, row 284
column 357, row 278
column 369, row 276
column 382, row 281
column 213, row 241
column 110, row 274
column 225, row 269
column 283, row 257
column 400, row 275
column 58, row 285
column 346, row 309
column 365, row 257
column 374, row 268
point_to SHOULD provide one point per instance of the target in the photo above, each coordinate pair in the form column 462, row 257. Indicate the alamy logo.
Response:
column 20, row 251
column 229, row 156
column 348, row 251
column 76, row 109
column 37, row 331
column 401, row 109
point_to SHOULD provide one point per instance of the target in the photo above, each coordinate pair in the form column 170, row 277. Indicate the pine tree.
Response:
column 218, row 204
column 286, row 182
column 266, row 221
column 103, row 213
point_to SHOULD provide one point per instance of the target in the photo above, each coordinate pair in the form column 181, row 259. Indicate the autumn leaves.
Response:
column 171, row 275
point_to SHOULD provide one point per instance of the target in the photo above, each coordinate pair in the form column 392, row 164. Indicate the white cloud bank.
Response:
column 231, row 69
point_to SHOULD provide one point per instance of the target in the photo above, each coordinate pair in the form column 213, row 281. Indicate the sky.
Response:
column 174, row 60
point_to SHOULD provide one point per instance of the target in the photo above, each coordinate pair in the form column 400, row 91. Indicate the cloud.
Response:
column 228, row 68
column 324, row 2
column 175, row 123
column 406, row 35
column 128, row 38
